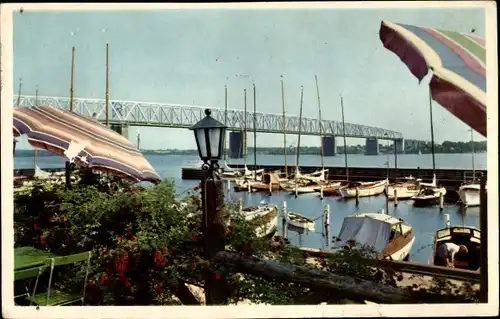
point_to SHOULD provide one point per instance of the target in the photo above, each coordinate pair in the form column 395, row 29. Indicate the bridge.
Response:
column 131, row 113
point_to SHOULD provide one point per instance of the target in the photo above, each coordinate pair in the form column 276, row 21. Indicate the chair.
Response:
column 27, row 274
column 58, row 297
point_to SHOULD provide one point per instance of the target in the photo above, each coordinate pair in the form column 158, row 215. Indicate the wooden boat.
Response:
column 391, row 237
column 299, row 187
column 428, row 196
column 298, row 222
column 469, row 194
column 363, row 189
column 270, row 182
column 269, row 213
column 229, row 172
column 243, row 184
column 460, row 235
column 403, row 190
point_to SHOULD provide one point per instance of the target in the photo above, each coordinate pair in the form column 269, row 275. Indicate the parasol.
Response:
column 83, row 140
column 458, row 63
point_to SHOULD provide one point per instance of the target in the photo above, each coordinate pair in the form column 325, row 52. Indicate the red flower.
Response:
column 121, row 238
column 195, row 238
column 42, row 240
column 158, row 290
column 164, row 251
column 35, row 227
column 163, row 262
column 218, row 276
column 133, row 238
column 103, row 279
column 206, row 262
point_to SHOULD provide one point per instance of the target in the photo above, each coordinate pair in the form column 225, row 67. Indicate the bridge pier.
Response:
column 371, row 146
column 400, row 146
column 236, row 144
column 121, row 129
column 329, row 145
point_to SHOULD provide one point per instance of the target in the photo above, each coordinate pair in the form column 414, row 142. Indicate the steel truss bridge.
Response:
column 183, row 116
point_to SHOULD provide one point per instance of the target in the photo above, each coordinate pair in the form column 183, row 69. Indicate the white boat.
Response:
column 428, row 196
column 390, row 237
column 404, row 190
column 270, row 215
column 299, row 222
column 469, row 194
column 363, row 189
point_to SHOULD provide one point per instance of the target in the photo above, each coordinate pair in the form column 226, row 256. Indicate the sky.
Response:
column 187, row 56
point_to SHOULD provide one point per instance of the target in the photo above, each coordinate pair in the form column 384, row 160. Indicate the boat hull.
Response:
column 350, row 192
column 469, row 197
column 404, row 252
column 402, row 192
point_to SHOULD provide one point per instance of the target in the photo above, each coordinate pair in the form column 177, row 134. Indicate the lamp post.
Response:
column 210, row 137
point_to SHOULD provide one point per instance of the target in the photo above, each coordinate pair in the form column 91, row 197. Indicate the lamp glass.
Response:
column 202, row 143
column 215, row 141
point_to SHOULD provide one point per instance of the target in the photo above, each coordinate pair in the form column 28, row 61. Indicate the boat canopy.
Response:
column 365, row 232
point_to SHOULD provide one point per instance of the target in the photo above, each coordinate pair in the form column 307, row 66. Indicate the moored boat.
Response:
column 299, row 222
column 468, row 236
column 390, row 237
column 363, row 189
column 269, row 213
column 403, row 190
column 469, row 194
column 270, row 182
column 428, row 196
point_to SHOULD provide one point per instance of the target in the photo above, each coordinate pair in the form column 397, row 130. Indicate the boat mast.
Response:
column 254, row 132
column 225, row 120
column 72, row 79
column 284, row 125
column 245, row 129
column 300, row 130
column 432, row 135
column 35, row 151
column 320, row 125
column 345, row 143
column 36, row 96
column 19, row 91
column 138, row 140
column 107, row 85
column 472, row 147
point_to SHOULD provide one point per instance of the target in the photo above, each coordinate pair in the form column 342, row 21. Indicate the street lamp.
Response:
column 210, row 137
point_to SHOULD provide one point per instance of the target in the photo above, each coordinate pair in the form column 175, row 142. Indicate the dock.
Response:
column 448, row 178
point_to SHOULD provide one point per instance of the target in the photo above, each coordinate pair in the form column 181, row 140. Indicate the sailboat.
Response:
column 429, row 194
column 469, row 192
column 299, row 185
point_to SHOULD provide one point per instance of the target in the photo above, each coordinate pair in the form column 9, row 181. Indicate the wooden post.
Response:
column 326, row 223
column 447, row 220
column 387, row 204
column 249, row 187
column 212, row 200
column 296, row 189
column 321, row 191
column 240, row 205
column 395, row 197
column 270, row 186
column 441, row 201
column 228, row 184
column 483, row 225
column 357, row 196
column 283, row 221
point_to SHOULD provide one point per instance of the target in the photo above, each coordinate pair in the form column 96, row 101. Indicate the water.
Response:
column 425, row 221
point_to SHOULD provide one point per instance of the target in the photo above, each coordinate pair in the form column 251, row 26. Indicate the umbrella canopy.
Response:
column 458, row 63
column 61, row 132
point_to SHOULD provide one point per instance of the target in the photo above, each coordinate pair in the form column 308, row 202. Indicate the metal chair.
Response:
column 58, row 297
column 27, row 274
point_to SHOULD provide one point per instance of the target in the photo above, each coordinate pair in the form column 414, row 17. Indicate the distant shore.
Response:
column 444, row 148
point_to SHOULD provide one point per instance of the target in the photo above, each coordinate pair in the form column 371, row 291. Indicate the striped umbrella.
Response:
column 458, row 63
column 62, row 132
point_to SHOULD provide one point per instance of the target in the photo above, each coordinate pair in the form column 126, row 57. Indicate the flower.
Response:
column 195, row 238
column 218, row 276
column 158, row 290
column 164, row 251
column 35, row 227
column 42, row 239
column 104, row 279
column 133, row 238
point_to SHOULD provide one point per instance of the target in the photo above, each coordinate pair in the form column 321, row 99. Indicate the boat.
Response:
column 460, row 235
column 332, row 189
column 428, row 196
column 227, row 172
column 469, row 194
column 328, row 185
column 270, row 216
column 404, row 190
column 270, row 182
column 243, row 184
column 390, row 237
column 298, row 222
column 363, row 189
column 299, row 187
